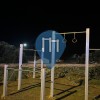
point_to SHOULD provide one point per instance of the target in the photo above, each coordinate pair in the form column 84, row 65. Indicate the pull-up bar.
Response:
column 86, row 57
column 73, row 32
column 94, row 49
column 52, row 61
column 31, row 50
column 42, row 95
column 86, row 60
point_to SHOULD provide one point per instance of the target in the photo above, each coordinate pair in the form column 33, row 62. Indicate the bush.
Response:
column 94, row 73
column 10, row 54
column 1, row 74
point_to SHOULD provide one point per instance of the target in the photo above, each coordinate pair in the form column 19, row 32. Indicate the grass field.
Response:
column 69, row 85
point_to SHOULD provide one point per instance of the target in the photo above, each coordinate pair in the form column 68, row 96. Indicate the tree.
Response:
column 97, row 56
column 9, row 53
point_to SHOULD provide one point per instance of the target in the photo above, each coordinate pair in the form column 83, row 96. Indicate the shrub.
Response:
column 94, row 73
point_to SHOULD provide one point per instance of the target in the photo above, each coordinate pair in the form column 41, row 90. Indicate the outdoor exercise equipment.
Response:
column 52, row 69
column 34, row 69
column 74, row 40
column 20, row 72
column 20, row 63
column 87, row 32
column 6, row 68
column 64, row 40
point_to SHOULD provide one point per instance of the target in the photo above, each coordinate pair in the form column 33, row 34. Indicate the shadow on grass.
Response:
column 97, row 97
column 55, row 88
column 62, row 84
column 29, row 87
column 26, row 88
column 67, row 90
column 60, row 98
column 1, row 83
column 79, row 81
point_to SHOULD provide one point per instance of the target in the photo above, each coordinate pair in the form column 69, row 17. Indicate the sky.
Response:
column 21, row 24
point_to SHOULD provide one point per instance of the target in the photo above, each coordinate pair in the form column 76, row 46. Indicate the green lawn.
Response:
column 69, row 85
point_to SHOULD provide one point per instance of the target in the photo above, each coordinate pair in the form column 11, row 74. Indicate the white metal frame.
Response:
column 42, row 92
column 52, row 64
column 94, row 49
column 34, row 66
column 20, row 66
column 5, row 80
column 42, row 84
column 52, row 43
column 86, row 58
column 34, row 69
column 86, row 62
column 42, row 95
column 52, row 70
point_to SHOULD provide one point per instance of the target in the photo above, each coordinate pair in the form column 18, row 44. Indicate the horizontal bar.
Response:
column 10, row 68
column 94, row 49
column 29, row 49
column 73, row 32
column 22, row 70
column 32, row 50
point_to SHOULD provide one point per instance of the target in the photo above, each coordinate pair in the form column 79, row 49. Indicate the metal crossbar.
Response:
column 32, row 50
column 73, row 32
column 22, row 70
column 94, row 49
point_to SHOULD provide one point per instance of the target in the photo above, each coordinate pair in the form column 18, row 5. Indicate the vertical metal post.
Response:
column 42, row 97
column 49, row 44
column 20, row 66
column 34, row 67
column 57, row 45
column 42, row 44
column 87, row 63
column 5, row 81
column 42, row 57
column 52, row 64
